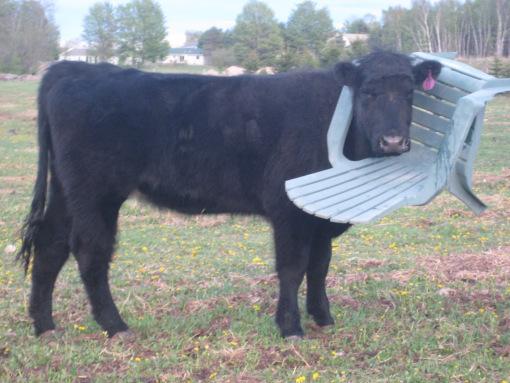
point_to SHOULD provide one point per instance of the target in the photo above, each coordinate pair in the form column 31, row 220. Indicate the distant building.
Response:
column 349, row 38
column 185, row 55
column 77, row 54
column 82, row 54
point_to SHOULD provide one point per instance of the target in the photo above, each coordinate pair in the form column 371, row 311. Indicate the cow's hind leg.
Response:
column 93, row 241
column 292, row 247
column 51, row 252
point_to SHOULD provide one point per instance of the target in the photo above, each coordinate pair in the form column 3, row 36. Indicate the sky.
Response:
column 200, row 15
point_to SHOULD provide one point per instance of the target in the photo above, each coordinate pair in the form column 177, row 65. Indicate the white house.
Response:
column 77, row 54
column 81, row 53
column 185, row 55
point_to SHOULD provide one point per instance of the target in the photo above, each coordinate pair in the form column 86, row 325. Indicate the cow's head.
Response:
column 383, row 84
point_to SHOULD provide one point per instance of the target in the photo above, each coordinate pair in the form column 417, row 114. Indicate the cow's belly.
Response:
column 202, row 192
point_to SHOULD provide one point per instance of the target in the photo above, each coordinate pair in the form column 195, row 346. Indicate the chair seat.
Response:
column 362, row 190
column 445, row 133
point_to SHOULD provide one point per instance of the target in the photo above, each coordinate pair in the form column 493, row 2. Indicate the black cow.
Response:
column 199, row 144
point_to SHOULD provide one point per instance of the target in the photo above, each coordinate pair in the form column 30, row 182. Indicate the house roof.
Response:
column 186, row 51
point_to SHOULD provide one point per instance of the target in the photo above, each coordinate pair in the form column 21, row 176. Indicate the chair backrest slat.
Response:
column 431, row 121
column 433, row 104
column 460, row 80
column 426, row 136
column 447, row 93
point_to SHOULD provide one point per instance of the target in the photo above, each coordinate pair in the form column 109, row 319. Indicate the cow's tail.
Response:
column 34, row 219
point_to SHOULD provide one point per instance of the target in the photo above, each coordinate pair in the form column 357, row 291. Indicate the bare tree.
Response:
column 502, row 25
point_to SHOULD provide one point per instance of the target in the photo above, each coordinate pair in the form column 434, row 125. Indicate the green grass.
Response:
column 421, row 296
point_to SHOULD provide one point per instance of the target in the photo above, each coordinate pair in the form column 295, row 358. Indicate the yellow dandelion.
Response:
column 257, row 261
column 301, row 379
column 316, row 376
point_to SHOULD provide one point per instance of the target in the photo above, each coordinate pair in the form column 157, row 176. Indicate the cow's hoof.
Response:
column 50, row 335
column 127, row 336
column 321, row 318
column 293, row 333
column 324, row 322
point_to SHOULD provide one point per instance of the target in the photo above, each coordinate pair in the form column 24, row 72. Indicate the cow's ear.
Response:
column 345, row 72
column 426, row 71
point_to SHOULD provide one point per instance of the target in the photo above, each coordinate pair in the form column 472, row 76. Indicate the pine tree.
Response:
column 496, row 67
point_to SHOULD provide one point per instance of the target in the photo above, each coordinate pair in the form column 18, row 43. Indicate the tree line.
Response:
column 478, row 28
column 135, row 33
column 472, row 28
column 307, row 39
column 28, row 35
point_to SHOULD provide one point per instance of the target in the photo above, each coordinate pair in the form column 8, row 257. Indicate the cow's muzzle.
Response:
column 394, row 144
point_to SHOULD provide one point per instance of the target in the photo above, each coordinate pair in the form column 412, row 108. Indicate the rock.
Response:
column 8, row 76
column 234, row 71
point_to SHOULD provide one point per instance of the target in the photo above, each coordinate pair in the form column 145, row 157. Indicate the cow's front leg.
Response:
column 317, row 303
column 292, row 251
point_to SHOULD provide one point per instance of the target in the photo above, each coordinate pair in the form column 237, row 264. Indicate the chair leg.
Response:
column 464, row 193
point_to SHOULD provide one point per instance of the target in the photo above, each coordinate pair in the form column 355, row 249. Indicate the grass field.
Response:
column 421, row 296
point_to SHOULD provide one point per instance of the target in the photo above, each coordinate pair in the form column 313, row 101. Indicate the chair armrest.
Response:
column 491, row 89
column 339, row 126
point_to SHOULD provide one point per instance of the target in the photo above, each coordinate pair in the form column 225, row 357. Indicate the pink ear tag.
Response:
column 429, row 82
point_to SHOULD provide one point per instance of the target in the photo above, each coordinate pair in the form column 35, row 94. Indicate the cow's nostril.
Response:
column 394, row 144
column 392, row 140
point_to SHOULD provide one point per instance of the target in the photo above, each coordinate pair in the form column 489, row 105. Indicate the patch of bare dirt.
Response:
column 27, row 115
column 258, row 298
column 468, row 267
column 243, row 378
column 501, row 350
column 287, row 357
column 492, row 178
column 492, row 264
column 217, row 324
column 8, row 105
column 4, row 117
column 14, row 180
column 7, row 192
column 211, row 220
column 232, row 357
column 401, row 276
column 345, row 301
column 370, row 263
